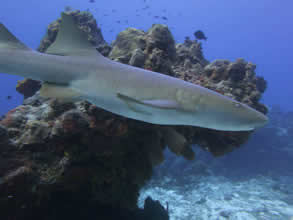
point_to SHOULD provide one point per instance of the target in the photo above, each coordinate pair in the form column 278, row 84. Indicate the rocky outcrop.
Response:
column 189, row 56
column 236, row 80
column 126, row 43
column 52, row 150
column 153, row 50
column 28, row 87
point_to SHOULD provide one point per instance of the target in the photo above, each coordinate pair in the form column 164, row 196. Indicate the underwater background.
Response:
column 254, row 181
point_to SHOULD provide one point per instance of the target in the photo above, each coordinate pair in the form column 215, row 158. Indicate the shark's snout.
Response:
column 261, row 120
column 251, row 118
column 231, row 115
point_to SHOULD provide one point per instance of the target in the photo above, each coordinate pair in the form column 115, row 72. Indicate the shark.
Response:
column 72, row 69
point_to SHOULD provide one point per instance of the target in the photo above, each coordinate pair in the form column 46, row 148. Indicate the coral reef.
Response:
column 126, row 43
column 51, row 150
column 28, row 87
column 153, row 50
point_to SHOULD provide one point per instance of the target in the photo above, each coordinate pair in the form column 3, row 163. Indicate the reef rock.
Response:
column 28, row 87
column 126, row 43
column 50, row 150
column 153, row 50
column 190, row 56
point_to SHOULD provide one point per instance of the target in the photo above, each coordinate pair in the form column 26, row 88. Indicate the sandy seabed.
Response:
column 222, row 198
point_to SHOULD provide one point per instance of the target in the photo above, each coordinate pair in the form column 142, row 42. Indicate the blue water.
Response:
column 259, row 31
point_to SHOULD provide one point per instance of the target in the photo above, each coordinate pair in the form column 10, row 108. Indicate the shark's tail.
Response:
column 8, row 40
column 9, row 45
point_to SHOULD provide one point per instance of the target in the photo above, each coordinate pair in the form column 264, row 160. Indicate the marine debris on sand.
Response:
column 82, row 161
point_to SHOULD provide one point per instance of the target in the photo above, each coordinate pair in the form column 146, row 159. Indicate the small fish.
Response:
column 200, row 35
column 8, row 97
column 92, row 1
column 164, row 18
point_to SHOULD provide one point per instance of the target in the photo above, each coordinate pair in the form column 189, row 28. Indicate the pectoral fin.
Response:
column 137, row 105
column 63, row 92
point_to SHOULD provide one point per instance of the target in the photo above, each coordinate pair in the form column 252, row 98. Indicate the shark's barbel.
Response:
column 72, row 69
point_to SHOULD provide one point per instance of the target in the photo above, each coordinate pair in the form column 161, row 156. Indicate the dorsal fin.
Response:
column 71, row 41
column 8, row 40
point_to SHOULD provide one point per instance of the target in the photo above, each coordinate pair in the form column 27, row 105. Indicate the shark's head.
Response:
column 215, row 111
column 235, row 116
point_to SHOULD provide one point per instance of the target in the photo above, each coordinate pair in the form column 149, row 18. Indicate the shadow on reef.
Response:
column 71, row 159
column 66, row 205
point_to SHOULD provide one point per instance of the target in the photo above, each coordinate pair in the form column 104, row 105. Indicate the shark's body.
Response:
column 73, row 69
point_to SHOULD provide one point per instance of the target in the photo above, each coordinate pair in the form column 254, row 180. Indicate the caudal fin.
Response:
column 8, row 40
